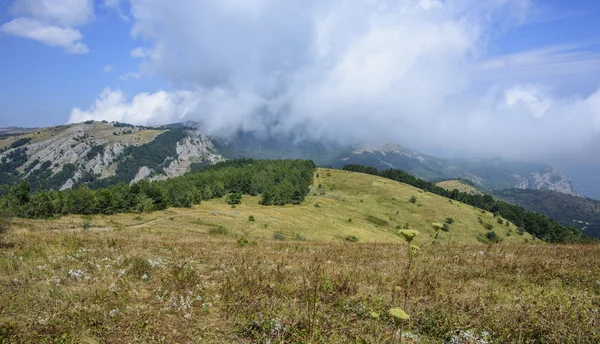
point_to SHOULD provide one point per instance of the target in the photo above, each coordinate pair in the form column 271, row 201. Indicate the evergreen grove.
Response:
column 279, row 182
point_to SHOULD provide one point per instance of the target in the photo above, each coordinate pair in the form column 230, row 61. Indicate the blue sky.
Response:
column 460, row 71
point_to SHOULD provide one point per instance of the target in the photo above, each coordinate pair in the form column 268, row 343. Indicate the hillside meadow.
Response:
column 325, row 271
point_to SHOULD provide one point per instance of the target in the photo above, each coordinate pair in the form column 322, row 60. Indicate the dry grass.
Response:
column 135, row 285
column 459, row 185
column 163, row 277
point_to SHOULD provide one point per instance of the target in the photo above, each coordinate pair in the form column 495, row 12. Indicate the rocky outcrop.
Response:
column 194, row 148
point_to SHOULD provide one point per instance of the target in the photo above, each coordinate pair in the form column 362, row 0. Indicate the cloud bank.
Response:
column 416, row 72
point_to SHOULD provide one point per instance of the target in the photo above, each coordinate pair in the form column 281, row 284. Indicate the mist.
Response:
column 421, row 73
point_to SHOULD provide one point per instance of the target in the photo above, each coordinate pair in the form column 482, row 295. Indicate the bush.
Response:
column 251, row 218
column 488, row 226
column 278, row 236
column 449, row 220
column 86, row 224
column 492, row 237
column 500, row 221
column 351, row 238
column 446, row 227
column 413, row 199
column 234, row 198
column 520, row 231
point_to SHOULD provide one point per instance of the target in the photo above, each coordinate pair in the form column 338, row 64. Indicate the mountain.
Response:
column 488, row 174
column 101, row 153
column 583, row 213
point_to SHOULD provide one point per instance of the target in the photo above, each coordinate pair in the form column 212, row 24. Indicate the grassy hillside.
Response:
column 458, row 185
column 208, row 274
column 569, row 210
column 341, row 204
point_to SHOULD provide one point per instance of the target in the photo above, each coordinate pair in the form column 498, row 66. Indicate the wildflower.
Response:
column 409, row 234
column 77, row 274
column 113, row 312
column 144, row 276
column 398, row 315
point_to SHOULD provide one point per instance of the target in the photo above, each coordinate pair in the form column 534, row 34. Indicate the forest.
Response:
column 280, row 182
column 536, row 224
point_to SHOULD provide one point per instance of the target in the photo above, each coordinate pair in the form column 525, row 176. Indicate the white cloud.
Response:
column 144, row 108
column 416, row 71
column 48, row 34
column 51, row 22
column 65, row 13
column 129, row 75
column 139, row 52
column 530, row 97
column 107, row 68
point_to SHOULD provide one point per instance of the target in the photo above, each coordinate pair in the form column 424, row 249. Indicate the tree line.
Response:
column 279, row 182
column 536, row 224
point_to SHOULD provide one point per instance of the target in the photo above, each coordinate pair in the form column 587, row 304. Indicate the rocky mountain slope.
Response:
column 489, row 174
column 100, row 153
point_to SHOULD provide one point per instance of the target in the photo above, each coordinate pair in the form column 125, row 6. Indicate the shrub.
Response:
column 351, row 238
column 278, row 236
column 220, row 230
column 507, row 223
column 349, row 220
column 413, row 199
column 86, row 224
column 446, row 227
column 520, row 231
column 500, row 221
column 234, row 198
column 449, row 220
column 488, row 226
column 492, row 237
column 251, row 218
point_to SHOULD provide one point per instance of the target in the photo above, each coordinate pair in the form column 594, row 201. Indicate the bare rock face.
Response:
column 143, row 173
column 554, row 180
column 194, row 148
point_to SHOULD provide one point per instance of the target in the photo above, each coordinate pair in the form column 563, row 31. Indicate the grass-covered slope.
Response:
column 340, row 205
column 460, row 185
column 207, row 274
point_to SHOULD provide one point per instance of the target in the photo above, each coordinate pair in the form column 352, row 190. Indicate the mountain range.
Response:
column 102, row 153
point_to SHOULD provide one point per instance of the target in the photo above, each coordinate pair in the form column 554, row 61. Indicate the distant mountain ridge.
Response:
column 100, row 153
column 489, row 174
column 583, row 213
